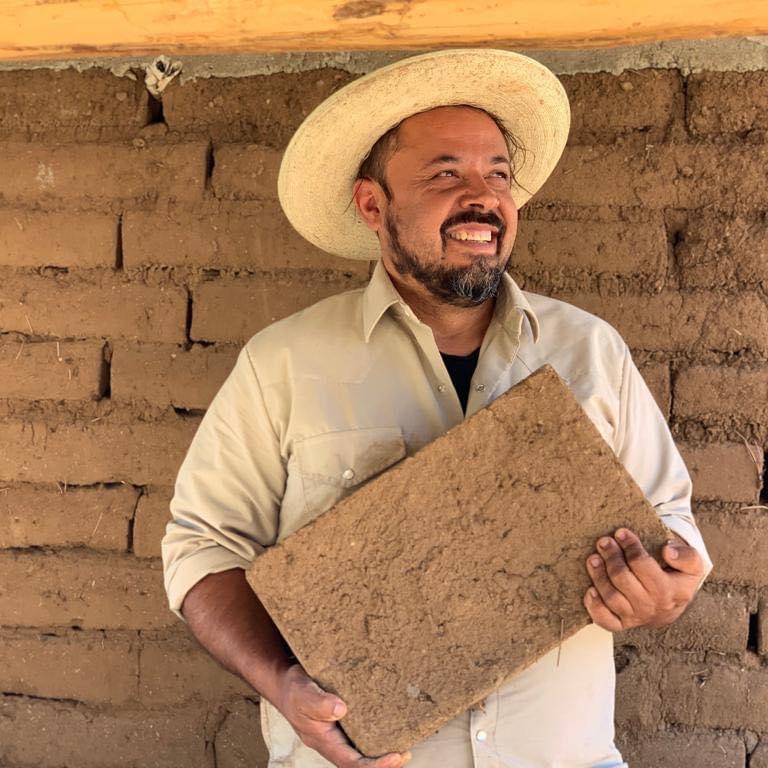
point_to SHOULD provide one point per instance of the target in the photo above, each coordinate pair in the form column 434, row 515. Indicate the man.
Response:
column 324, row 399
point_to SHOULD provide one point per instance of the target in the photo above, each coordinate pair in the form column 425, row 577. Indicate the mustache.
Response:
column 473, row 217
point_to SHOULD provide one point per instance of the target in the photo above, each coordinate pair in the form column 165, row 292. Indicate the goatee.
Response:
column 460, row 286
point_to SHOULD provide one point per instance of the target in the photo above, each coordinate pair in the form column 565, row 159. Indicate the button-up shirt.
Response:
column 320, row 401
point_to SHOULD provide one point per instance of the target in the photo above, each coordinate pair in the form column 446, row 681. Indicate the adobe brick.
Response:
column 50, row 516
column 715, row 694
column 670, row 749
column 727, row 102
column 34, row 239
column 354, row 543
column 724, row 471
column 762, row 624
column 619, row 248
column 83, row 589
column 656, row 376
column 635, row 172
column 137, row 453
column 93, row 174
column 176, row 669
column 90, row 737
column 707, row 392
column 715, row 621
column 167, row 374
column 245, row 172
column 65, row 306
column 93, row 104
column 67, row 370
column 261, row 108
column 152, row 514
column 85, row 666
column 244, row 236
column 719, row 251
column 637, row 689
column 238, row 743
column 604, row 105
column 738, row 545
column 675, row 322
column 759, row 758
column 231, row 310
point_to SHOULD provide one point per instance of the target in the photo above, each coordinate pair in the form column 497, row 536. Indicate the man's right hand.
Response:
column 314, row 713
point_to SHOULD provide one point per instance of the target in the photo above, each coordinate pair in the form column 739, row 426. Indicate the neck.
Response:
column 457, row 330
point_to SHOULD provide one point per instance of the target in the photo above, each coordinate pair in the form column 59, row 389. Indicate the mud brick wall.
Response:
column 141, row 244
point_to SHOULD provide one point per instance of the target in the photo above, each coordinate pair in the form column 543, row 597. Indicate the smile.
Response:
column 482, row 236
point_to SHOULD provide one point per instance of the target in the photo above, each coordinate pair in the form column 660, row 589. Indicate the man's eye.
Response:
column 445, row 174
column 501, row 174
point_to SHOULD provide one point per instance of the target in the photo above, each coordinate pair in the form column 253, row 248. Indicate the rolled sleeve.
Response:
column 646, row 448
column 227, row 494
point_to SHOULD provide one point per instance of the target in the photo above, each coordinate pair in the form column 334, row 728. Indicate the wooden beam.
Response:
column 63, row 29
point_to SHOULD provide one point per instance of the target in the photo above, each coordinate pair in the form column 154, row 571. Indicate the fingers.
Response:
column 600, row 613
column 329, row 741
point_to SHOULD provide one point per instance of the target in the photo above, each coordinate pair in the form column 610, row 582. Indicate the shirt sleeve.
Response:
column 645, row 447
column 229, row 488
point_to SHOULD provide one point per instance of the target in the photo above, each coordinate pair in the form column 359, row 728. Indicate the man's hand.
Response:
column 631, row 589
column 313, row 714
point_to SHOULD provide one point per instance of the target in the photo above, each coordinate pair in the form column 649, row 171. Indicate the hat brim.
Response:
column 321, row 162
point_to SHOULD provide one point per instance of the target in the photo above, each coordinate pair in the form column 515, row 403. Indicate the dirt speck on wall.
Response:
column 141, row 243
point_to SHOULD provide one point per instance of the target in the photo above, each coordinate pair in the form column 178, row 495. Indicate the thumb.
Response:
column 682, row 557
column 320, row 705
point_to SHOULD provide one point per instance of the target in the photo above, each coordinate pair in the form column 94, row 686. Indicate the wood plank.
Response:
column 63, row 29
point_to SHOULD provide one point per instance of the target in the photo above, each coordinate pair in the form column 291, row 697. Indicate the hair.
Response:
column 375, row 162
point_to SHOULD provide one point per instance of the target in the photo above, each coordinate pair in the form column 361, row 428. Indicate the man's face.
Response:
column 451, row 222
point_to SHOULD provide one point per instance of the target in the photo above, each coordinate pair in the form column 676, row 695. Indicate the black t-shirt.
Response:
column 460, row 369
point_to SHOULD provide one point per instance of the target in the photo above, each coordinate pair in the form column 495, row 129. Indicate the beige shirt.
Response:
column 324, row 399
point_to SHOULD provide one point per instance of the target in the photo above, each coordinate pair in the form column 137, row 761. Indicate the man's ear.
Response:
column 368, row 197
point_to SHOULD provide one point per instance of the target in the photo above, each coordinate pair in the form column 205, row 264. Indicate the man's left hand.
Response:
column 631, row 589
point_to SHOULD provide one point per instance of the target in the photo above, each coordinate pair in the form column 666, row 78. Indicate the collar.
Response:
column 511, row 304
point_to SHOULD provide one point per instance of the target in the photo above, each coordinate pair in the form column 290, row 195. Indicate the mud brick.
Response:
column 36, row 238
column 431, row 585
column 245, row 172
column 238, row 743
column 724, row 471
column 85, row 666
column 604, row 105
column 51, row 516
column 230, row 235
column 152, row 514
column 167, row 374
column 716, row 694
column 83, row 589
column 51, row 370
column 671, row 749
column 656, row 376
column 52, row 734
column 233, row 310
column 175, row 668
column 727, row 102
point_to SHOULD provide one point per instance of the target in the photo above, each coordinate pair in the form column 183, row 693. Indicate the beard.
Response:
column 461, row 286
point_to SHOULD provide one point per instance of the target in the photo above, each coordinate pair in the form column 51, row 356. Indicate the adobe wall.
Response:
column 141, row 244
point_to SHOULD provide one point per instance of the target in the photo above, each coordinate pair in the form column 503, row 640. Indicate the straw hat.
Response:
column 320, row 165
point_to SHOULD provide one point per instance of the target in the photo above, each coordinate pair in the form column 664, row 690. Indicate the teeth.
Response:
column 483, row 237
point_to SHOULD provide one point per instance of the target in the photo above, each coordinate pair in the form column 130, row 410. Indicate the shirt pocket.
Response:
column 333, row 464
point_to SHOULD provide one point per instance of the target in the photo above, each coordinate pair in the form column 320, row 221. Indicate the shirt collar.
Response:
column 511, row 305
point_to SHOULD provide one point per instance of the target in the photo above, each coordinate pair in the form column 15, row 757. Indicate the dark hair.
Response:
column 375, row 162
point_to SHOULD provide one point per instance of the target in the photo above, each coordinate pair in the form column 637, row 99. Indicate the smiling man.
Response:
column 437, row 153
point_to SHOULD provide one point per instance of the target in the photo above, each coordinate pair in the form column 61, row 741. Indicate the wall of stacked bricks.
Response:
column 141, row 243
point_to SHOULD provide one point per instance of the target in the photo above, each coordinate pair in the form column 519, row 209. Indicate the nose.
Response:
column 477, row 194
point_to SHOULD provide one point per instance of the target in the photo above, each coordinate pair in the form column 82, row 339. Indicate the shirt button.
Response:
column 348, row 474
column 481, row 735
column 441, row 387
column 480, row 387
